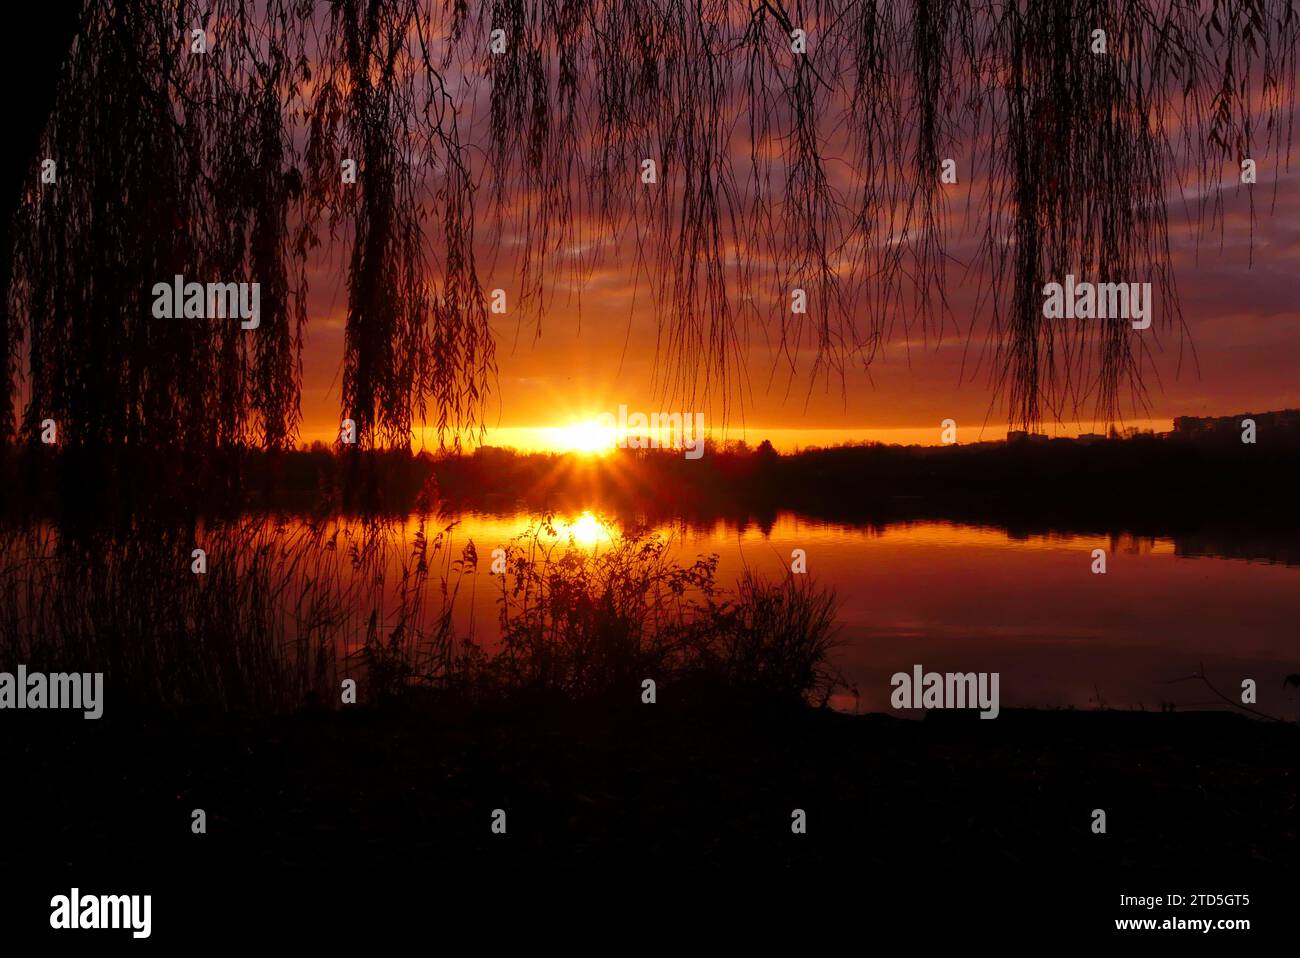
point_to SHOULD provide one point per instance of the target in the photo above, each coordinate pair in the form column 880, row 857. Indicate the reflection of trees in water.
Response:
column 1257, row 544
column 1125, row 543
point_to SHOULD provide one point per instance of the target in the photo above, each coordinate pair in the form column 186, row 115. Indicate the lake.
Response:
column 944, row 595
column 965, row 598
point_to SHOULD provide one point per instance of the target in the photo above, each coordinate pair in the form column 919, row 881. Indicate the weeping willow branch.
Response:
column 795, row 146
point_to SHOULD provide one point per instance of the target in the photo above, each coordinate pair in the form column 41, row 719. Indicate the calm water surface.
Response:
column 961, row 598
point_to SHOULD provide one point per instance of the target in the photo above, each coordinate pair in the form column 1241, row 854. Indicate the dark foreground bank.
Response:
column 365, row 821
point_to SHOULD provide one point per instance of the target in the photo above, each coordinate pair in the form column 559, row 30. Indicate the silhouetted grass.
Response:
column 590, row 621
column 288, row 610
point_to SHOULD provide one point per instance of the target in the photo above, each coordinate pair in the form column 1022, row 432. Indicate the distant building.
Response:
column 1088, row 438
column 1020, row 435
column 1283, row 422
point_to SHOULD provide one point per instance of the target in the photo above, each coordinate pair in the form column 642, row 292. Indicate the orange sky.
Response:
column 1242, row 319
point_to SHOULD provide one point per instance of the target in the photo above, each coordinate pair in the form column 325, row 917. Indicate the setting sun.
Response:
column 587, row 436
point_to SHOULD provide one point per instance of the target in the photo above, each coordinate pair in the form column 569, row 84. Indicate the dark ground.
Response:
column 354, row 823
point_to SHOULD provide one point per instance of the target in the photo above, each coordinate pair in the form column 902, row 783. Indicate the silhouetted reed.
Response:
column 586, row 621
column 286, row 611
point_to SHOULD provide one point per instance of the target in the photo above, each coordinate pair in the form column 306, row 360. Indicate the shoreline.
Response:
column 394, row 805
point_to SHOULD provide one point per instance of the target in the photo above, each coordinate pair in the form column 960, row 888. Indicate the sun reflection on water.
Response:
column 587, row 530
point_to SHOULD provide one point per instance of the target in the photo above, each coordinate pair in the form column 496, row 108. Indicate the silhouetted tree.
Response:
column 779, row 166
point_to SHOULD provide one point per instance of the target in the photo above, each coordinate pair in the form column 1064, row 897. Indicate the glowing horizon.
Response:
column 588, row 437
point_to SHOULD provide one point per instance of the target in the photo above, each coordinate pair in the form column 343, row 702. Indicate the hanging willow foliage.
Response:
column 778, row 167
column 167, row 164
